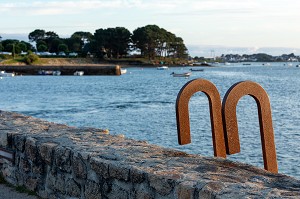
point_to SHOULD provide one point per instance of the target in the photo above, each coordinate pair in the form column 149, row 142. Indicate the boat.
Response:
column 45, row 72
column 123, row 71
column 6, row 74
column 162, row 68
column 79, row 73
column 56, row 73
column 187, row 74
column 196, row 69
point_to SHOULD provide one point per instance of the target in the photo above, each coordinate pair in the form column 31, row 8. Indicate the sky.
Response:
column 206, row 26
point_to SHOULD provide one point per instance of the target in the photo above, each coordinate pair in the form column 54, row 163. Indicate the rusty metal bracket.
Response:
column 182, row 114
column 229, row 104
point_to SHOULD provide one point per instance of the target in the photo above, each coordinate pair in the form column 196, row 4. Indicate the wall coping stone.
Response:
column 59, row 161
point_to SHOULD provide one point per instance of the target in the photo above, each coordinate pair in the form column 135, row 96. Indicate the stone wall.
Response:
column 58, row 161
column 89, row 69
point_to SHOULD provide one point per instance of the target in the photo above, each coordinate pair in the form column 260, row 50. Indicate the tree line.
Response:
column 149, row 42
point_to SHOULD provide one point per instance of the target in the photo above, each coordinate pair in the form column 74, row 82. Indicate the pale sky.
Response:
column 228, row 23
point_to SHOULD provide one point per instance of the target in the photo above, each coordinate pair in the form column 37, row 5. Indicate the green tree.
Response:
column 16, row 46
column 153, row 41
column 63, row 48
column 22, row 46
column 121, row 37
column 262, row 57
column 51, row 39
column 42, row 48
column 54, row 45
column 51, row 34
column 36, row 35
column 79, row 40
column 113, row 42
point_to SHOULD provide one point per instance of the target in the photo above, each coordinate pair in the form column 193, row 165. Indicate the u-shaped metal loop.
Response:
column 182, row 114
column 229, row 104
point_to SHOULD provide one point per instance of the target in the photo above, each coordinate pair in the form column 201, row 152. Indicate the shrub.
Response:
column 30, row 58
column 2, row 56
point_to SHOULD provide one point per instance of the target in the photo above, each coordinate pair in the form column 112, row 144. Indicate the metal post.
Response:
column 182, row 114
column 229, row 104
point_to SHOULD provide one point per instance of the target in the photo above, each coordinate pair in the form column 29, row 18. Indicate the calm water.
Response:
column 141, row 105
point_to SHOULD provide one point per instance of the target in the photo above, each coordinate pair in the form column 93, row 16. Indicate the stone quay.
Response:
column 59, row 161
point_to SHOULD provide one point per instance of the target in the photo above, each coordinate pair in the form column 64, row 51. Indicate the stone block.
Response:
column 31, row 183
column 30, row 148
column 19, row 142
column 24, row 165
column 162, row 185
column 92, row 190
column 50, row 181
column 119, row 171
column 62, row 158
column 3, row 139
column 72, row 188
column 185, row 190
column 8, row 171
column 143, row 191
column 211, row 190
column 59, row 183
column 100, row 166
column 92, row 176
column 117, row 192
column 79, row 167
column 46, row 151
column 137, row 175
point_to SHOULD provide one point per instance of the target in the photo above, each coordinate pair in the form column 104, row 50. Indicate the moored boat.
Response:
column 187, row 74
column 196, row 69
column 56, row 73
column 45, row 72
column 78, row 73
column 6, row 74
column 162, row 68
column 123, row 71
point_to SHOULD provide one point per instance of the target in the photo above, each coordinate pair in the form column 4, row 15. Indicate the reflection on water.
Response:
column 141, row 105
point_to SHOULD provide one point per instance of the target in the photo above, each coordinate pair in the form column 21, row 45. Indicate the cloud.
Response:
column 56, row 7
column 188, row 7
column 168, row 6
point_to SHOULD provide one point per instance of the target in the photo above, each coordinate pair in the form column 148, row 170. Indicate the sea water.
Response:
column 141, row 105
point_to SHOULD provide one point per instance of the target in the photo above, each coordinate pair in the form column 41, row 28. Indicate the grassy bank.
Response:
column 89, row 61
column 51, row 61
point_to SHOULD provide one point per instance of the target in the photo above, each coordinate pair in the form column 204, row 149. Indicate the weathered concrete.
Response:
column 89, row 69
column 58, row 161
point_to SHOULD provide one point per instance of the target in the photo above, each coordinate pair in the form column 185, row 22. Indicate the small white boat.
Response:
column 56, row 73
column 162, row 68
column 45, row 72
column 187, row 74
column 123, row 71
column 5, row 74
column 78, row 73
